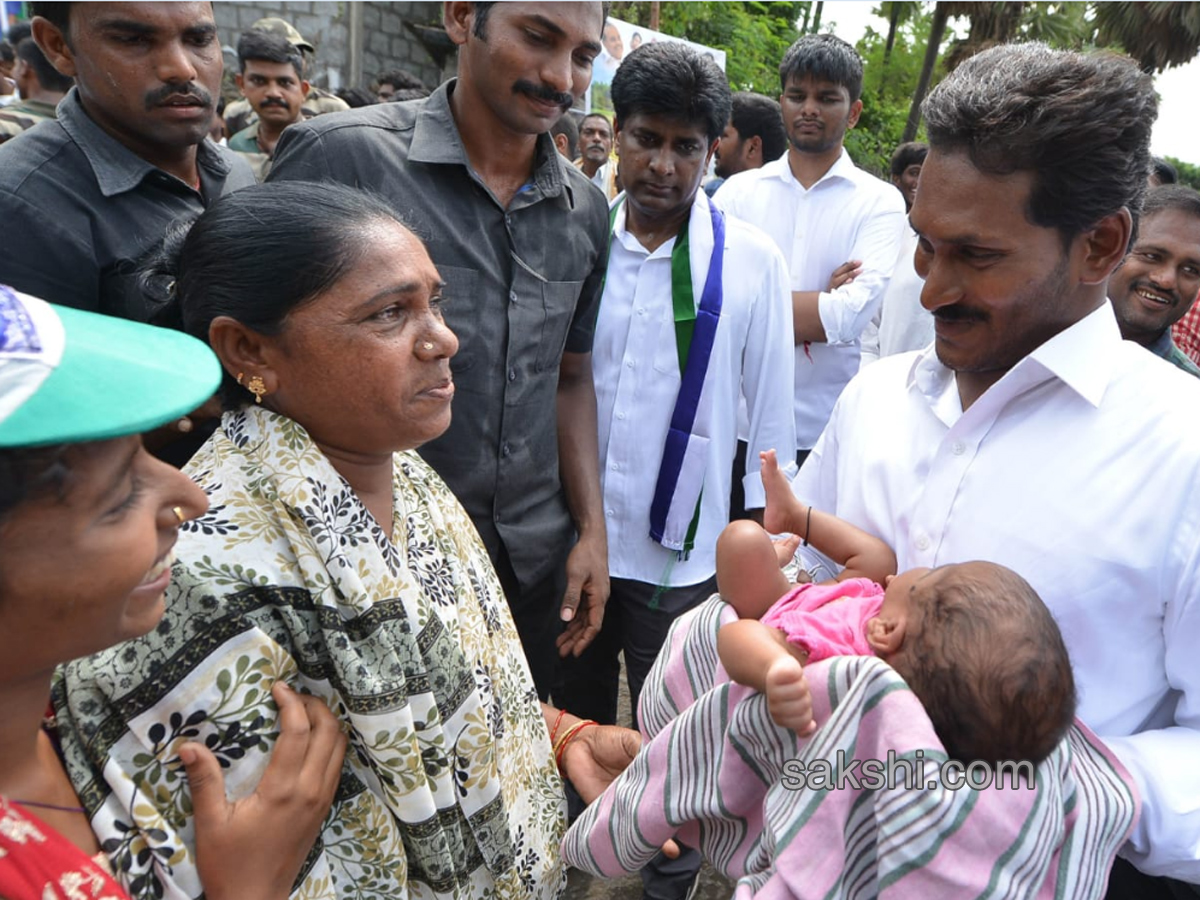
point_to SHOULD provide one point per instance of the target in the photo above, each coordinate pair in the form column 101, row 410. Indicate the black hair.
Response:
column 672, row 80
column 754, row 115
column 8, row 53
column 595, row 114
column 56, row 12
column 1162, row 171
column 911, row 153
column 401, row 80
column 483, row 10
column 1080, row 123
column 567, row 125
column 236, row 260
column 19, row 32
column 824, row 57
column 1172, row 196
column 266, row 46
column 355, row 97
column 47, row 76
column 988, row 663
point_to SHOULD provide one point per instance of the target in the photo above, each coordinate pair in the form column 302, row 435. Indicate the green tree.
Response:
column 1157, row 35
column 753, row 35
column 1189, row 174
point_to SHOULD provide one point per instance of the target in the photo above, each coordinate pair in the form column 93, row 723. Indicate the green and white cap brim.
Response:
column 68, row 376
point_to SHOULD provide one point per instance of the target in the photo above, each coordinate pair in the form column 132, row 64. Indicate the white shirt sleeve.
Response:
column 1165, row 762
column 768, row 376
column 845, row 312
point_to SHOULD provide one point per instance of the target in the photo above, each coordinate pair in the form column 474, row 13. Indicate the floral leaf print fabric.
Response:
column 448, row 789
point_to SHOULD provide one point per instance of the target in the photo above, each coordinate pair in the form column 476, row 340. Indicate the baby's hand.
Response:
column 788, row 699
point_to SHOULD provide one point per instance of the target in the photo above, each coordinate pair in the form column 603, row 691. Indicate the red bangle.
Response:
column 554, row 730
column 568, row 736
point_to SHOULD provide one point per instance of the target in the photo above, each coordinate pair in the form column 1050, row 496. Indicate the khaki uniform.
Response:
column 23, row 115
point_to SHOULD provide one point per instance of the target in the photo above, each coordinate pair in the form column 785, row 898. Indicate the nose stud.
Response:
column 428, row 345
column 179, row 514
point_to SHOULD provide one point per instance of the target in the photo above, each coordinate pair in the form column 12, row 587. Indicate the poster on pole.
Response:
column 619, row 39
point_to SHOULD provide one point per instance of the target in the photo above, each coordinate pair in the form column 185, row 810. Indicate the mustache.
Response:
column 159, row 96
column 1155, row 289
column 541, row 92
column 959, row 314
column 273, row 102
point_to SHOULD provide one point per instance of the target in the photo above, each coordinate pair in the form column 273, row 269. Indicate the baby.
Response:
column 974, row 641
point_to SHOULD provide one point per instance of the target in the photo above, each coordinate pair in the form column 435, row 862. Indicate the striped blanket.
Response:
column 718, row 774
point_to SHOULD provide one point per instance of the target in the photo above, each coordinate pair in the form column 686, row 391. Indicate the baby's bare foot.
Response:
column 782, row 512
column 788, row 699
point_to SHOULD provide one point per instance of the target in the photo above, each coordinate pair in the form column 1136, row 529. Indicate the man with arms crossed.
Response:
column 1031, row 434
column 521, row 239
column 822, row 212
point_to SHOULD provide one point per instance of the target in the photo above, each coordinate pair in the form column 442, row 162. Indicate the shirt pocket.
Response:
column 461, row 313
column 559, row 302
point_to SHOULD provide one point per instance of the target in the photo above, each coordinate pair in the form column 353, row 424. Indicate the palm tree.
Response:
column 937, row 29
column 1157, row 35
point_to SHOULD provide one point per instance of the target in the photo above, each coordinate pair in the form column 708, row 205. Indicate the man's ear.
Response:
column 1103, row 247
column 54, row 44
column 305, row 87
column 563, row 145
column 243, row 350
column 855, row 112
column 458, row 18
column 885, row 635
column 754, row 148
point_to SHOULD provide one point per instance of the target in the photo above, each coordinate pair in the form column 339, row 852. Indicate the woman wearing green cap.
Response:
column 333, row 557
column 88, row 523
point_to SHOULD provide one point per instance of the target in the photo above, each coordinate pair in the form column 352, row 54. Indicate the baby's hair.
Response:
column 989, row 664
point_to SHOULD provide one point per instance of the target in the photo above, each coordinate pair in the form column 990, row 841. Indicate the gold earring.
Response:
column 257, row 388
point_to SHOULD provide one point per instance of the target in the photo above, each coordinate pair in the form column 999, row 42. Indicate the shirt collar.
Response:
column 436, row 140
column 117, row 168
column 1078, row 356
column 698, row 215
column 843, row 168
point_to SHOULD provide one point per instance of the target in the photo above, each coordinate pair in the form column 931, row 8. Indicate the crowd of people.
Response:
column 351, row 446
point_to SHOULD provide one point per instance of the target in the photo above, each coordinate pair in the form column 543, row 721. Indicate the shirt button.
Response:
column 959, row 448
column 641, row 310
column 922, row 543
column 609, row 512
column 629, row 363
column 512, row 296
column 621, row 416
column 508, row 220
column 506, row 449
column 616, row 467
column 512, row 374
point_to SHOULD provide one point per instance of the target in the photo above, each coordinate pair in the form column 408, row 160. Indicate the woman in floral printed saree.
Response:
column 88, row 522
column 333, row 558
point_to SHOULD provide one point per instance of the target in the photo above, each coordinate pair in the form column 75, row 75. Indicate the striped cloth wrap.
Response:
column 716, row 773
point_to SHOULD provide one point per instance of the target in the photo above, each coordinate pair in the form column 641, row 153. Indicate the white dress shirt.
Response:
column 847, row 214
column 901, row 323
column 1080, row 470
column 636, row 369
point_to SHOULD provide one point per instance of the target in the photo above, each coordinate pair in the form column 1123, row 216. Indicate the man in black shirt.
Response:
column 84, row 197
column 521, row 240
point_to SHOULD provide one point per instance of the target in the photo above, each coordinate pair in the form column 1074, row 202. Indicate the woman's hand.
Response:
column 253, row 849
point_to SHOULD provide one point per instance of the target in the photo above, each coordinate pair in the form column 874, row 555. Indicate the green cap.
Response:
column 68, row 376
column 285, row 30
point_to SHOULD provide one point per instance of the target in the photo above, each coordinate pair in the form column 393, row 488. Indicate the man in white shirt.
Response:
column 684, row 282
column 1030, row 434
column 822, row 211
column 901, row 323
